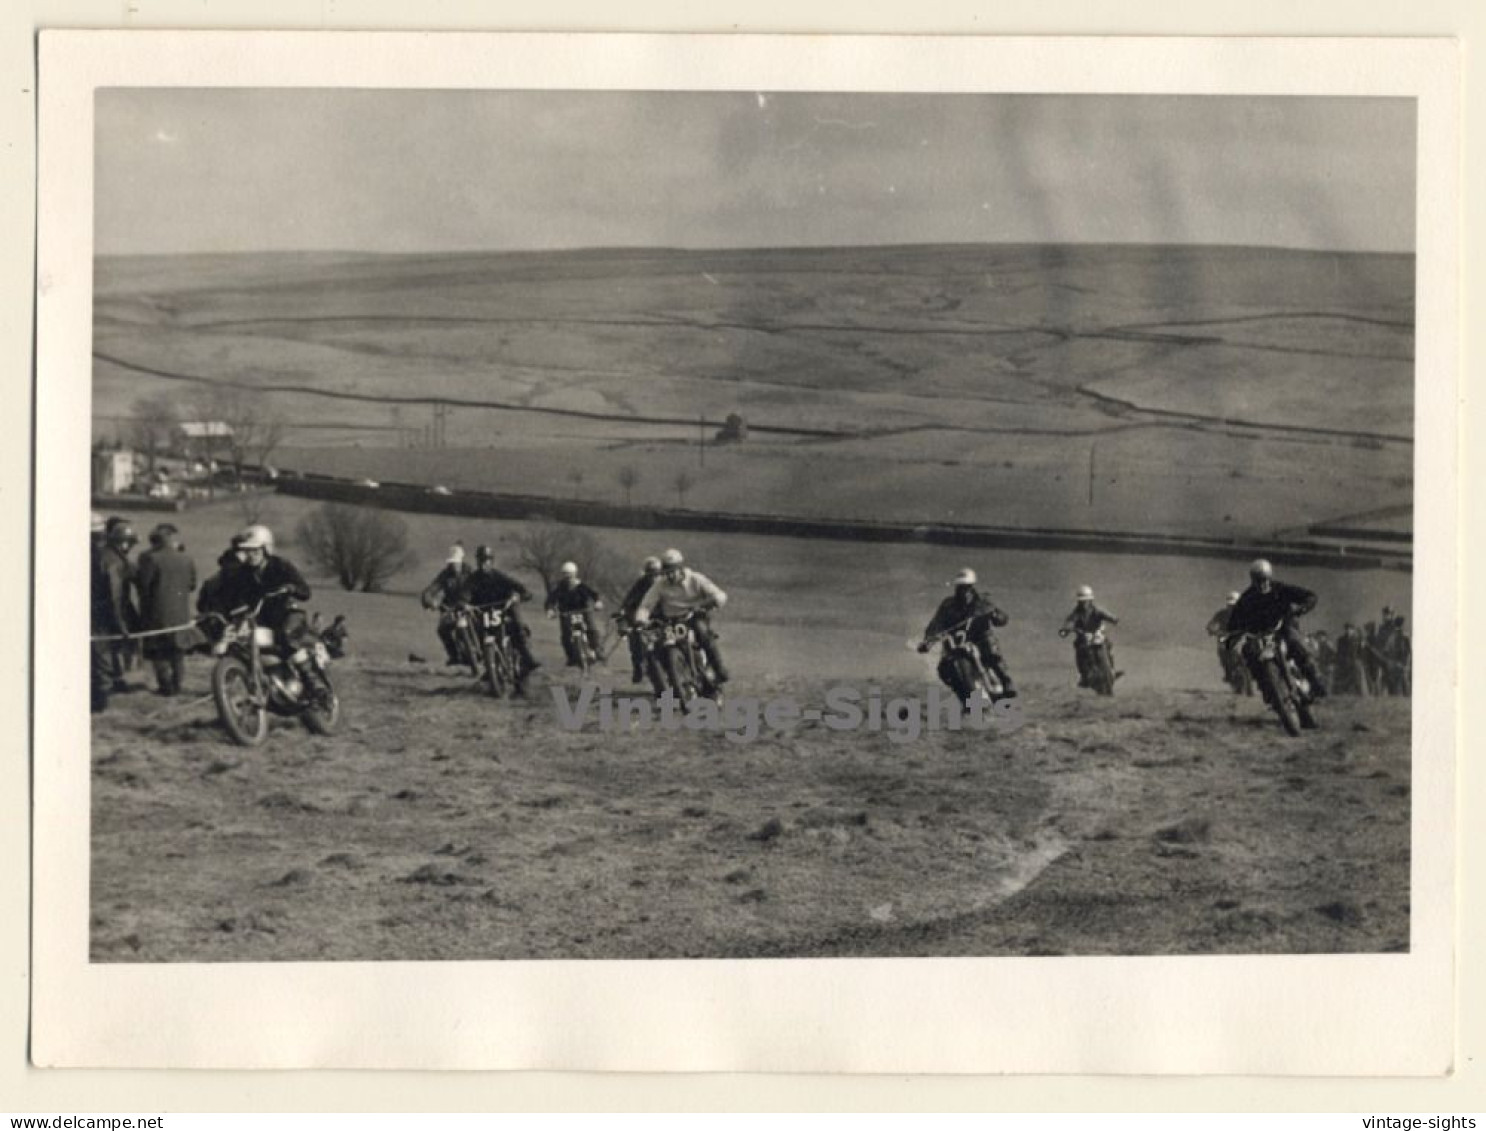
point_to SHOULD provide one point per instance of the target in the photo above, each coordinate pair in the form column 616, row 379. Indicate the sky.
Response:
column 413, row 171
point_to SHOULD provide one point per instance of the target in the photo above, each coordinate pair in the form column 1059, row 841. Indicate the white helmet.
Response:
column 456, row 554
column 1233, row 598
column 1261, row 569
column 256, row 537
column 1085, row 593
column 965, row 577
column 568, row 569
column 671, row 558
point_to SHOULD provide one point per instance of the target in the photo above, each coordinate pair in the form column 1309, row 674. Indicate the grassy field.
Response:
column 1214, row 391
column 442, row 824
column 974, row 384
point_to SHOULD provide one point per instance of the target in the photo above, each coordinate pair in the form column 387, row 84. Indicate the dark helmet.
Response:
column 122, row 534
column 484, row 554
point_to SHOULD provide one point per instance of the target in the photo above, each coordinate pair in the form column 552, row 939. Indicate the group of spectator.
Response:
column 1375, row 659
column 132, row 601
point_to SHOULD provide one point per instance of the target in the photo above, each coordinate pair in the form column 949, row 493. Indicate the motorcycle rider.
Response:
column 277, row 583
column 572, row 595
column 979, row 615
column 212, row 597
column 489, row 586
column 443, row 593
column 1235, row 673
column 1087, row 617
column 1268, row 603
column 625, row 618
column 679, row 592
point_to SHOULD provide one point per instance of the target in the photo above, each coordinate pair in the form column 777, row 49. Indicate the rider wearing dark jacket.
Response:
column 571, row 595
column 626, row 618
column 488, row 586
column 443, row 593
column 270, row 583
column 1087, row 617
column 1268, row 605
column 979, row 616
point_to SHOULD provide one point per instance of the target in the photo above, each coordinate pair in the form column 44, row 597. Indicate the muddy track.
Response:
column 441, row 824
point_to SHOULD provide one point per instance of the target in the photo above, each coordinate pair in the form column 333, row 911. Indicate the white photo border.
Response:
column 1339, row 1015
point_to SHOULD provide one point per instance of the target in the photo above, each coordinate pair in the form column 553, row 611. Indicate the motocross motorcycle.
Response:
column 1236, row 673
column 498, row 664
column 462, row 619
column 1093, row 659
column 694, row 674
column 962, row 659
column 1285, row 688
column 577, row 626
column 251, row 680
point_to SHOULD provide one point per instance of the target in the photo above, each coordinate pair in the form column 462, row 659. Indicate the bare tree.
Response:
column 255, row 429
column 359, row 546
column 152, row 423
column 683, row 483
column 544, row 545
column 250, row 504
column 629, row 479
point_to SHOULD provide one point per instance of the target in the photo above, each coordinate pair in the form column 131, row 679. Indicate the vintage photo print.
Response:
column 707, row 523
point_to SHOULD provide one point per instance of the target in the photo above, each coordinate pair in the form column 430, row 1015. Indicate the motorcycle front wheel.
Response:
column 242, row 711
column 495, row 681
column 1281, row 699
column 1103, row 674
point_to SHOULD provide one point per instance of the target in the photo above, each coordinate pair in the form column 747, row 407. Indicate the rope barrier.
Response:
column 150, row 632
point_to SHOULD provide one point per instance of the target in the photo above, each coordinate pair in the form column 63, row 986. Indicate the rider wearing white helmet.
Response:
column 572, row 594
column 626, row 620
column 966, row 606
column 1268, row 604
column 443, row 593
column 1233, row 667
column 681, row 592
column 265, row 577
column 1089, row 617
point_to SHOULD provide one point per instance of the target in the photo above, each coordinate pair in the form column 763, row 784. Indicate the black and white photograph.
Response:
column 439, row 437
column 546, row 527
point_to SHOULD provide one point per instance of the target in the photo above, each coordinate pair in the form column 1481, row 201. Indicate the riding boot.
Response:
column 451, row 650
column 523, row 649
column 715, row 658
column 996, row 664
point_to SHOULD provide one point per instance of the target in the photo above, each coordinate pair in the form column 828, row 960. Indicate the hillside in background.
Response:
column 1186, row 389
